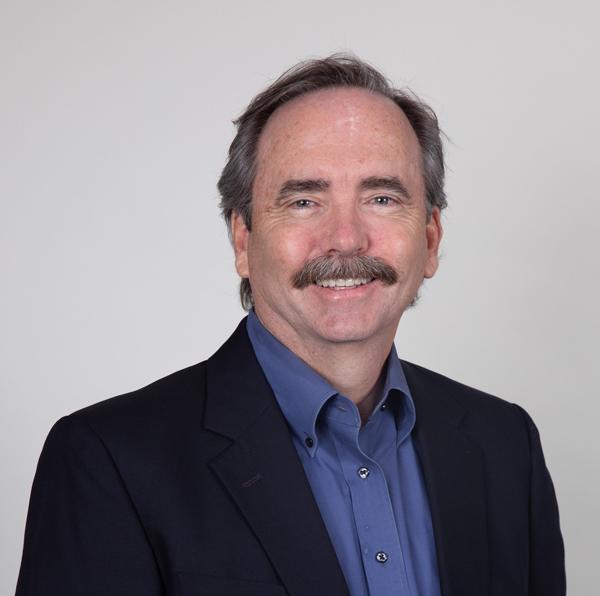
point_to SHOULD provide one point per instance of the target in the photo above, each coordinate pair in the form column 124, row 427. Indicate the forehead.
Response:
column 338, row 130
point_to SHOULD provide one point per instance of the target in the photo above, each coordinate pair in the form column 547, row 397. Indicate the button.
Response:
column 309, row 442
column 384, row 406
column 363, row 472
column 381, row 557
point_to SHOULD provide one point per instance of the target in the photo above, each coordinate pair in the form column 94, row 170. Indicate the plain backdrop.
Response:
column 116, row 269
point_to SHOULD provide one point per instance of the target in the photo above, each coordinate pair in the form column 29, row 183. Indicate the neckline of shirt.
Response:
column 302, row 393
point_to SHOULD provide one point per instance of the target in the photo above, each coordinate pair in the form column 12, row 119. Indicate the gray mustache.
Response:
column 360, row 266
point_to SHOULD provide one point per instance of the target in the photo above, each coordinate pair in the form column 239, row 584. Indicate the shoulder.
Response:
column 179, row 394
column 167, row 417
column 465, row 395
column 158, row 418
column 476, row 411
column 504, row 432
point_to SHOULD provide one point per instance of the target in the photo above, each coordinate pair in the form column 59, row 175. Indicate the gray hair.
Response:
column 338, row 70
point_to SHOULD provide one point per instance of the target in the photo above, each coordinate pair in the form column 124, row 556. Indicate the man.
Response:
column 304, row 457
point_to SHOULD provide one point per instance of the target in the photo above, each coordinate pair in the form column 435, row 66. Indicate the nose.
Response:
column 345, row 232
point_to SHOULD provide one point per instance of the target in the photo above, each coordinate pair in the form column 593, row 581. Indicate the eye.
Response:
column 302, row 203
column 383, row 200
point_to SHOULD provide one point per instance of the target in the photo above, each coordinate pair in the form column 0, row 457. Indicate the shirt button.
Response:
column 381, row 557
column 309, row 442
column 363, row 472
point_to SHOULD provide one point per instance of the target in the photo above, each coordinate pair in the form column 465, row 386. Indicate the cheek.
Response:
column 279, row 253
column 402, row 248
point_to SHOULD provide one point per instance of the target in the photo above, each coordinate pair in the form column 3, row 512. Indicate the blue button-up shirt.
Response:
column 366, row 479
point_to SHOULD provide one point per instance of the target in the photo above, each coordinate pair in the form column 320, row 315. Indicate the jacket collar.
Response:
column 453, row 470
column 263, row 474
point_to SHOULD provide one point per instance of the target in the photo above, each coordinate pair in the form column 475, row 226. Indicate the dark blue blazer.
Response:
column 192, row 486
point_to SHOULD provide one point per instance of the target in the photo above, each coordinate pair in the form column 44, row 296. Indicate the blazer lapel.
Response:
column 453, row 470
column 263, row 474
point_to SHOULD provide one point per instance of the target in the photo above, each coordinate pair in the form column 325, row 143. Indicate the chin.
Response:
column 347, row 331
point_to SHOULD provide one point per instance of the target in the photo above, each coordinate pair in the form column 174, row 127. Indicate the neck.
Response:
column 354, row 368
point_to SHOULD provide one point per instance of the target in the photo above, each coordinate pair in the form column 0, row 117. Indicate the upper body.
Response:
column 193, row 485
column 332, row 192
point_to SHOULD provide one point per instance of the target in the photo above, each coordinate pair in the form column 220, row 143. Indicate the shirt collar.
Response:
column 301, row 392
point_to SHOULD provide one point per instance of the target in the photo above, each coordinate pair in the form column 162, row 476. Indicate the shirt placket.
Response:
column 380, row 547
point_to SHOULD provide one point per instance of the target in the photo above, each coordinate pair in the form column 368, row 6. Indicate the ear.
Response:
column 239, row 235
column 433, row 234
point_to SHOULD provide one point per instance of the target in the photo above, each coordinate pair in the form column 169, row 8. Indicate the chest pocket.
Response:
column 196, row 584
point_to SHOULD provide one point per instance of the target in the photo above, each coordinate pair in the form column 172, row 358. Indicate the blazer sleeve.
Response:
column 83, row 536
column 547, row 556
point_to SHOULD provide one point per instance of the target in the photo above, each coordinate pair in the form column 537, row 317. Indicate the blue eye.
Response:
column 302, row 203
column 383, row 200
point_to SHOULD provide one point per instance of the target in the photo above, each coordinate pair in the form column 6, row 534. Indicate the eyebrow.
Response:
column 290, row 187
column 391, row 183
column 305, row 185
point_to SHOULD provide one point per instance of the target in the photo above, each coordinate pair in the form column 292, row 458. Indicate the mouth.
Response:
column 343, row 284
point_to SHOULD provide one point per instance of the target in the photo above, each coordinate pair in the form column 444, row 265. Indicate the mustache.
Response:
column 357, row 267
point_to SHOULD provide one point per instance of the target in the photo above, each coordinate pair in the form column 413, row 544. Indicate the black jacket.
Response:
column 192, row 486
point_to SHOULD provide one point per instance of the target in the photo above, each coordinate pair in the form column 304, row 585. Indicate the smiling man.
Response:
column 304, row 457
column 342, row 235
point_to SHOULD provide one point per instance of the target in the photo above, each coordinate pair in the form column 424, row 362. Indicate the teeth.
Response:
column 342, row 283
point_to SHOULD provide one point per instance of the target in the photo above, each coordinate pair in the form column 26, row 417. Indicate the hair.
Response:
column 337, row 70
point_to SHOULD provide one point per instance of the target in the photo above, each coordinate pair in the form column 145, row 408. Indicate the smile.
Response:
column 342, row 284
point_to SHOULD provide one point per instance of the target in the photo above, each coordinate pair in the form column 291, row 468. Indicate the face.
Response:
column 339, row 176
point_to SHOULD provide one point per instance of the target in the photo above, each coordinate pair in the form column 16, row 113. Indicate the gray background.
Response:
column 116, row 270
